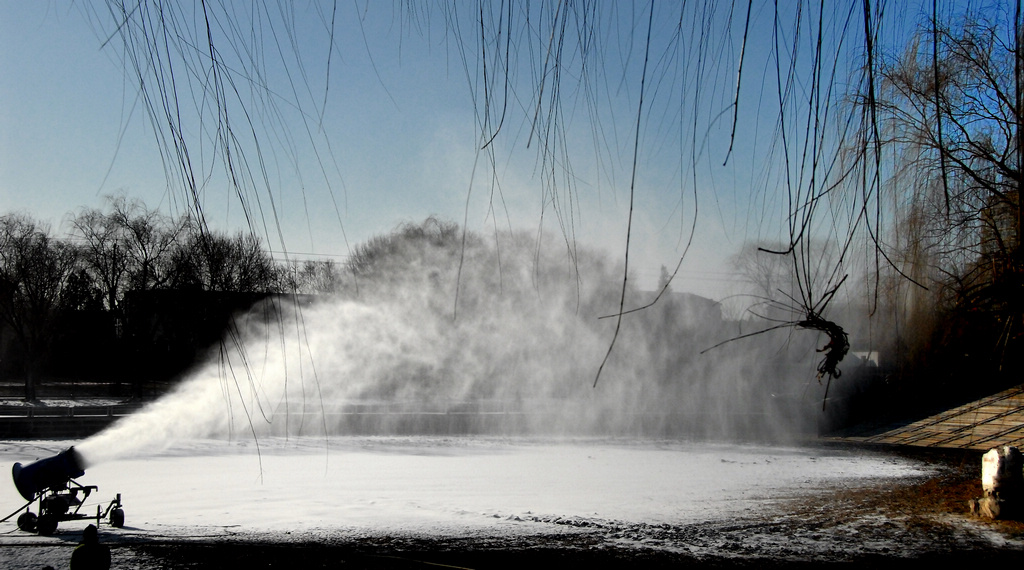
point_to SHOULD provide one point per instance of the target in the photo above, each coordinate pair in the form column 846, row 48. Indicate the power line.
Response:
column 281, row 252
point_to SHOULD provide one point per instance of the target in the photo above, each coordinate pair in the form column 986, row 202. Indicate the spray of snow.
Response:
column 508, row 326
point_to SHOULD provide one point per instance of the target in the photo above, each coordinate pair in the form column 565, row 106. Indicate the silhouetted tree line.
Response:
column 129, row 293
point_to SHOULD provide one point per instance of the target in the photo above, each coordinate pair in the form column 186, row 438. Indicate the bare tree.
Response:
column 952, row 116
column 379, row 255
column 950, row 111
column 35, row 271
column 312, row 277
column 126, row 247
column 149, row 237
column 103, row 253
column 211, row 261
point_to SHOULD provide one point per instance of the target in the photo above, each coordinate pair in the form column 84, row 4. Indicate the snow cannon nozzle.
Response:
column 51, row 473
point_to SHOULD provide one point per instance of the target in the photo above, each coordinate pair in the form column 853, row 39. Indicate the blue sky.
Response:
column 391, row 133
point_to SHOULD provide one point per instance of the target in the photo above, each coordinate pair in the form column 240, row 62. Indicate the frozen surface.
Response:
column 446, row 485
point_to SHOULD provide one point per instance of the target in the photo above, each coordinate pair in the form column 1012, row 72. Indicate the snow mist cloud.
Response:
column 508, row 331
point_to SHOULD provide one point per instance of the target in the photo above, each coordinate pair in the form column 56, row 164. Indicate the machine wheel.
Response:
column 46, row 525
column 27, row 522
column 117, row 518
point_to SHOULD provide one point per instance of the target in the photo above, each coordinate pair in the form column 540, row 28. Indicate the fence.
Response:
column 45, row 422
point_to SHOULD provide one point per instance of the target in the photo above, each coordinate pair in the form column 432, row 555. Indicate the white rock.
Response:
column 1001, row 471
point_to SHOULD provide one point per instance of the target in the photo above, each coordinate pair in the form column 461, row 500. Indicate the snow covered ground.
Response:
column 422, row 484
column 435, row 486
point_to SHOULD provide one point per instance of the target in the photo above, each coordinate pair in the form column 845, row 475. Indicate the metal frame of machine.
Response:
column 51, row 482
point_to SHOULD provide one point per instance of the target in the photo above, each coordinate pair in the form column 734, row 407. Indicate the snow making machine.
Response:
column 51, row 483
